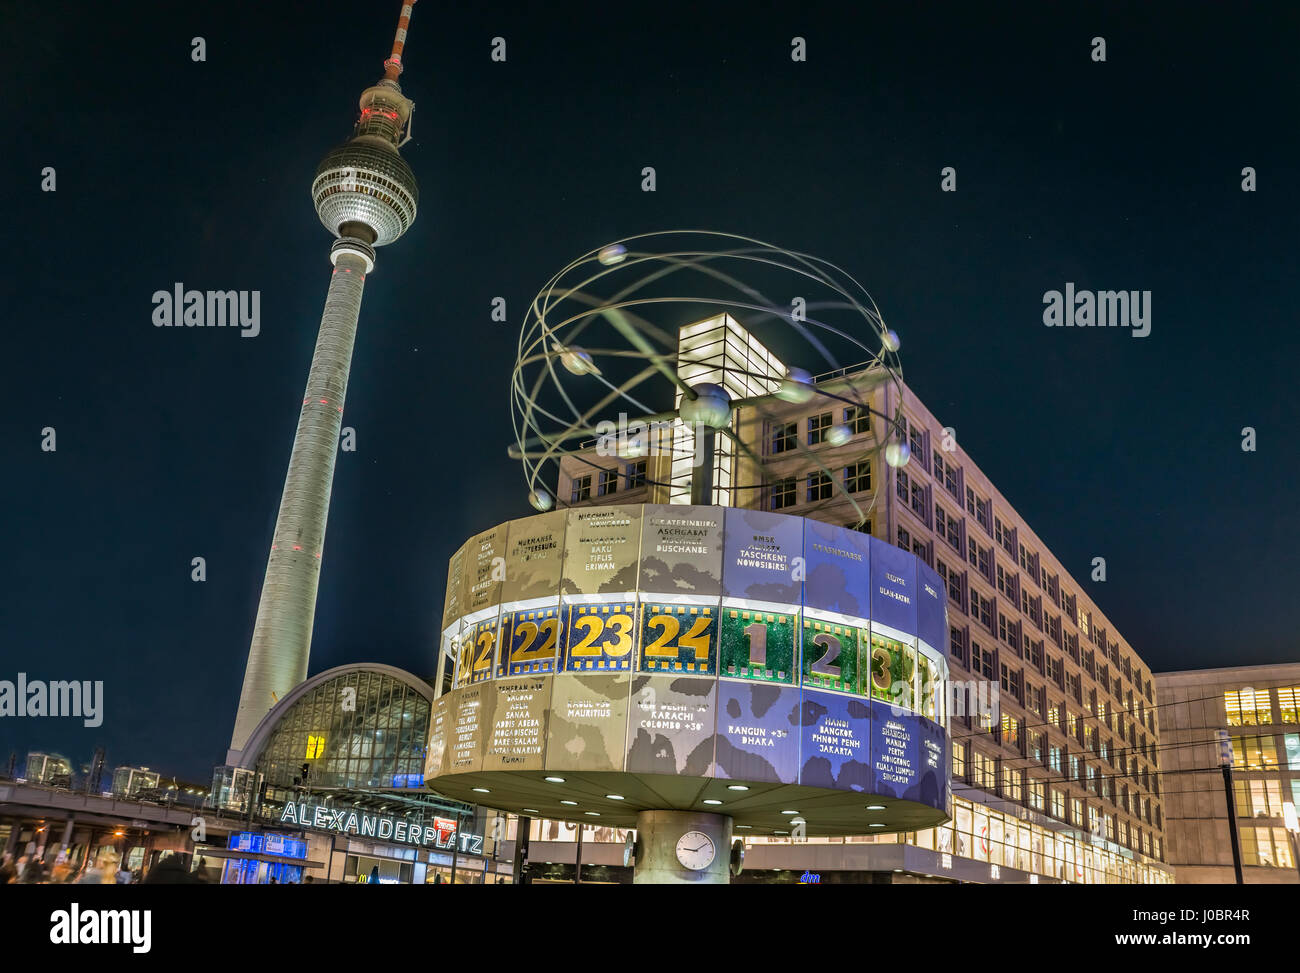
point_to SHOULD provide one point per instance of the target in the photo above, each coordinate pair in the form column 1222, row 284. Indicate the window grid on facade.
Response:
column 636, row 474
column 783, row 493
column 785, row 437
column 857, row 478
column 817, row 427
column 607, row 482
column 820, row 487
column 858, row 419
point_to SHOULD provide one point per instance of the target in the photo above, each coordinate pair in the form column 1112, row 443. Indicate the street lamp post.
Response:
column 1225, row 762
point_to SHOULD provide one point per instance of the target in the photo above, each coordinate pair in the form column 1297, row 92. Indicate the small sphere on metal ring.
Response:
column 897, row 454
column 796, row 386
column 578, row 362
column 838, row 434
column 613, row 254
column 711, row 406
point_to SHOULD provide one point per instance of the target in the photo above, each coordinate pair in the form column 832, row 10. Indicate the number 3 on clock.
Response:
column 599, row 637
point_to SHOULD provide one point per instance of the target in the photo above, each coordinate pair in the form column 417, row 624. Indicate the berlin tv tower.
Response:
column 365, row 194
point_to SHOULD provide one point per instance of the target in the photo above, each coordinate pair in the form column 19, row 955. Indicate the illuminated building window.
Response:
column 1058, row 804
column 783, row 493
column 785, row 437
column 1291, row 745
column 857, row 478
column 1266, row 847
column 1036, row 789
column 817, row 426
column 1012, row 783
column 1248, row 707
column 1255, row 752
column 959, row 761
column 1010, row 725
column 858, row 419
column 820, row 487
column 1288, row 701
column 1258, row 798
column 315, row 747
column 581, row 489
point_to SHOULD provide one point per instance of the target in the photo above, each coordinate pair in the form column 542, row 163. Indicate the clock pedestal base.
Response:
column 658, row 835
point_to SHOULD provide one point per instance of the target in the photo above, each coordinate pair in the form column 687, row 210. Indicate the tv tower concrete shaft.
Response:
column 366, row 195
column 277, row 660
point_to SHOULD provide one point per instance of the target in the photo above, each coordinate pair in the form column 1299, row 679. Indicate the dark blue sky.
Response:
column 173, row 443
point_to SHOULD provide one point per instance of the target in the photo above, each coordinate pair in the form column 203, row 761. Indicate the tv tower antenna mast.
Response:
column 366, row 195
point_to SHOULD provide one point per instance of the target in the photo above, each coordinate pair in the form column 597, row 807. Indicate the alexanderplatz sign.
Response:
column 621, row 659
column 441, row 834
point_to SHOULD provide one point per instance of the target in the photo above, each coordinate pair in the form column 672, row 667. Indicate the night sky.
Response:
column 173, row 443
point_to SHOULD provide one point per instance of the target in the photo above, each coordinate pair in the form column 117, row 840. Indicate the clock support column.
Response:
column 658, row 833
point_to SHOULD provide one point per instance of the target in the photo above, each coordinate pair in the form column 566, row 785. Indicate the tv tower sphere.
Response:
column 365, row 182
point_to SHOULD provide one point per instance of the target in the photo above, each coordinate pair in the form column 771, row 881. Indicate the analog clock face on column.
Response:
column 695, row 850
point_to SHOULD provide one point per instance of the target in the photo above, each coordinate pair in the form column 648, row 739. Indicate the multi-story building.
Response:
column 1259, row 707
column 1055, row 748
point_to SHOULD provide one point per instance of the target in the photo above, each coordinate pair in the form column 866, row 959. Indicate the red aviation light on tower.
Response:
column 393, row 66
